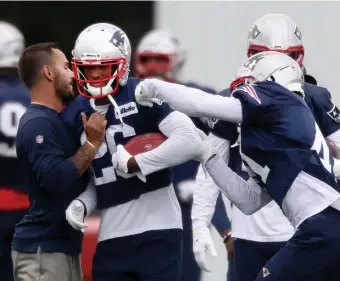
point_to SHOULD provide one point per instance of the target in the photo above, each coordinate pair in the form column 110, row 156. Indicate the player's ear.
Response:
column 48, row 72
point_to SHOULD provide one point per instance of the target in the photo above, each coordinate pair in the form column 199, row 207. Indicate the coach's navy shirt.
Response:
column 44, row 147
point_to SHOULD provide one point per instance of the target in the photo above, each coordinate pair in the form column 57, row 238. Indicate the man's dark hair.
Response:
column 33, row 59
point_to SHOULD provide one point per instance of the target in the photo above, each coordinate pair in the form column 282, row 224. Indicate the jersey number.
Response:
column 10, row 114
column 320, row 146
column 109, row 173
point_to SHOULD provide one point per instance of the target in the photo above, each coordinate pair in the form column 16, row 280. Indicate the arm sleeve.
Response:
column 38, row 142
column 182, row 145
column 89, row 197
column 220, row 218
column 207, row 192
column 247, row 196
column 194, row 102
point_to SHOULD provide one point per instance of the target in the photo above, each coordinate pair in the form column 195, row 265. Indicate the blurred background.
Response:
column 213, row 33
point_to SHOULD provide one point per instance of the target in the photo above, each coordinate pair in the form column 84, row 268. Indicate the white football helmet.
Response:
column 271, row 66
column 159, row 54
column 106, row 45
column 12, row 44
column 276, row 32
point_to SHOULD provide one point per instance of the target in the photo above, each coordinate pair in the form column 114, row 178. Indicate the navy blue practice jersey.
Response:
column 280, row 138
column 113, row 189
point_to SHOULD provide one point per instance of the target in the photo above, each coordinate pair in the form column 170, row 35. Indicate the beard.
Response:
column 63, row 91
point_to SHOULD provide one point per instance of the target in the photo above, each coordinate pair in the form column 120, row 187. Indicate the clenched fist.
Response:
column 94, row 128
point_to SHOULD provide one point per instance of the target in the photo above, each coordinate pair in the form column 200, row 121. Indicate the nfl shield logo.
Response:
column 39, row 139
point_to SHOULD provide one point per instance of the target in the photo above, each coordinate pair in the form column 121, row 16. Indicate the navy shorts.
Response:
column 250, row 257
column 150, row 256
column 312, row 254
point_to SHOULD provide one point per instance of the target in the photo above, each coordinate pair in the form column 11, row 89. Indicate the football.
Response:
column 143, row 143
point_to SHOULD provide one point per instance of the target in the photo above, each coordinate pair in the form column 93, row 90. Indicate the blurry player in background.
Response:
column 286, row 157
column 14, row 98
column 260, row 236
column 140, row 235
column 161, row 55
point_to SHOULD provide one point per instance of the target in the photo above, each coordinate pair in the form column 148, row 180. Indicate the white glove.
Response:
column 143, row 96
column 186, row 190
column 203, row 242
column 120, row 160
column 75, row 214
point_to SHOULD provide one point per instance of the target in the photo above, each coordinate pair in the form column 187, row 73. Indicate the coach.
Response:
column 45, row 247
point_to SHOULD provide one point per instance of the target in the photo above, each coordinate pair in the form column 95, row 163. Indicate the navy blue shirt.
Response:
column 45, row 147
column 14, row 98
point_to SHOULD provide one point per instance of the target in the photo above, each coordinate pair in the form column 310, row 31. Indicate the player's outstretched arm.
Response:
column 190, row 101
column 182, row 145
column 248, row 196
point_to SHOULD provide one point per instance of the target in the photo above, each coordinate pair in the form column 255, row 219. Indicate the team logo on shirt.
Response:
column 251, row 92
column 334, row 113
column 39, row 139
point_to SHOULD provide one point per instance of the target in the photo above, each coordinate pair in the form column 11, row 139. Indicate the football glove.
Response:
column 143, row 97
column 75, row 214
column 202, row 243
column 119, row 162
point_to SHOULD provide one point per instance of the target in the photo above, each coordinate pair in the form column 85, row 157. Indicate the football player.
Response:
column 259, row 237
column 161, row 55
column 14, row 98
column 286, row 157
column 140, row 235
